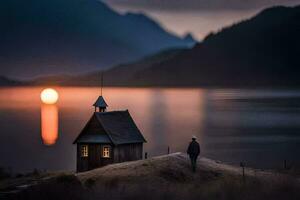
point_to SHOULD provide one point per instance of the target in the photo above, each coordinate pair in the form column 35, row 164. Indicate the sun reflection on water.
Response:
column 49, row 124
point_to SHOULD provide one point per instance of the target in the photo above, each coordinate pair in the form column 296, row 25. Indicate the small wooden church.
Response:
column 108, row 137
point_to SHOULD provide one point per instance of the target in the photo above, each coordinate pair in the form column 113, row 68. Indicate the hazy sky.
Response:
column 196, row 16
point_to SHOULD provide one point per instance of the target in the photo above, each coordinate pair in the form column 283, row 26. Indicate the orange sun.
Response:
column 49, row 96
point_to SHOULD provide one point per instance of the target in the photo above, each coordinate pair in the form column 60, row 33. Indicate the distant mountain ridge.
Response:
column 73, row 36
column 120, row 75
column 261, row 51
column 9, row 82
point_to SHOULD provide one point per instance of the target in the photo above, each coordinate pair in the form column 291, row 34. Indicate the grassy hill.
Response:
column 164, row 177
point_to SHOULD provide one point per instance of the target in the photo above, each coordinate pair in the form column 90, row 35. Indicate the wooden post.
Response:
column 244, row 173
column 242, row 164
column 146, row 155
column 285, row 165
column 168, row 150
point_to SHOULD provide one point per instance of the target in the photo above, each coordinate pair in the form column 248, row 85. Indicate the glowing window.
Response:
column 84, row 151
column 106, row 152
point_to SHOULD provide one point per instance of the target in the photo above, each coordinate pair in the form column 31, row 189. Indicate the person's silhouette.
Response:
column 193, row 151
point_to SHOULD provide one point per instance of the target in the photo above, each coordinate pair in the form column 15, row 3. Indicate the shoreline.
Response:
column 158, row 87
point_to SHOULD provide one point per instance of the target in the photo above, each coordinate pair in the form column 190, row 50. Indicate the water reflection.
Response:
column 157, row 127
column 49, row 124
column 232, row 125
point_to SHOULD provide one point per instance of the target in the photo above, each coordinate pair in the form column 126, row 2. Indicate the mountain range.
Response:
column 8, row 82
column 74, row 36
column 120, row 75
column 261, row 51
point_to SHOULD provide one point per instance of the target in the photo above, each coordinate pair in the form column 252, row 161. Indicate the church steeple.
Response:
column 100, row 104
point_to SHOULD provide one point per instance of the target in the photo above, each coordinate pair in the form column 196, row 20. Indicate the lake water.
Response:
column 259, row 127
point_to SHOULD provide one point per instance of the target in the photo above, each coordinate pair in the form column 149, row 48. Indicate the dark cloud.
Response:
column 200, row 4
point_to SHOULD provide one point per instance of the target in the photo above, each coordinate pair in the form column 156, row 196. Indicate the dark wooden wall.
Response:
column 128, row 152
column 120, row 153
column 94, row 159
column 82, row 162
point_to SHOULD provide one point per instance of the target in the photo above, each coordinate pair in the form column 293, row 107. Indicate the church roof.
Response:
column 118, row 126
column 100, row 102
column 94, row 138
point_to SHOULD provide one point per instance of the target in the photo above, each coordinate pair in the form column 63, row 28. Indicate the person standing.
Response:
column 193, row 151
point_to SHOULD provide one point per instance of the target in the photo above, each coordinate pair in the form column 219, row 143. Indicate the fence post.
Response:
column 242, row 164
column 146, row 155
column 168, row 150
column 285, row 165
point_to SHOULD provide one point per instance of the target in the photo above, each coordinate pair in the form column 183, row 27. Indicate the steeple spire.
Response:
column 101, row 82
column 100, row 102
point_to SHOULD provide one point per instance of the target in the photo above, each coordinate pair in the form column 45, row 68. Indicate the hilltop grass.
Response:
column 165, row 178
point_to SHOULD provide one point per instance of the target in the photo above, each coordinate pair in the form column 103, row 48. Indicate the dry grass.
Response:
column 166, row 177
